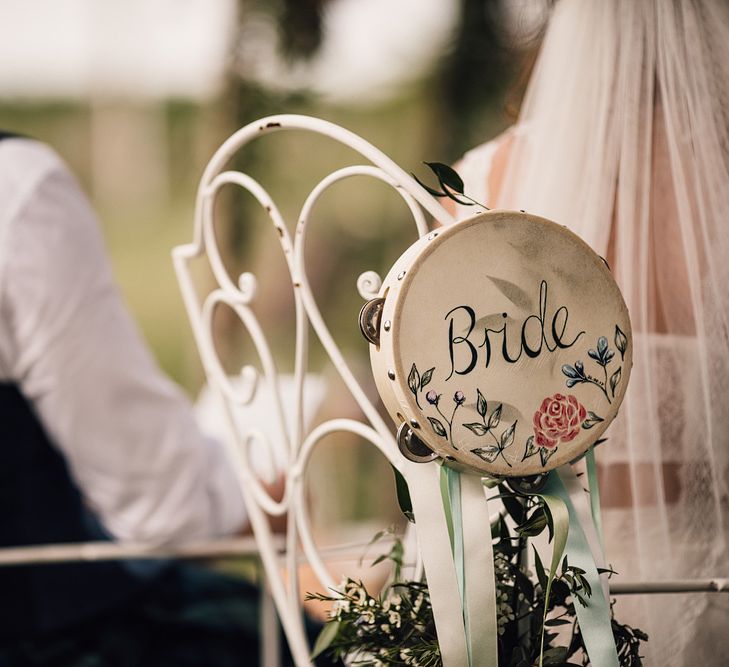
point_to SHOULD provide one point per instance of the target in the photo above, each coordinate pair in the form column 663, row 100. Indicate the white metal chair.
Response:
column 238, row 293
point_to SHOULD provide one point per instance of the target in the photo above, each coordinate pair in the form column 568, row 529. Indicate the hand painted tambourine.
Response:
column 501, row 344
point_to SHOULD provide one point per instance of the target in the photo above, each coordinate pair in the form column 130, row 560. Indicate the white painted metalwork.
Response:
column 238, row 293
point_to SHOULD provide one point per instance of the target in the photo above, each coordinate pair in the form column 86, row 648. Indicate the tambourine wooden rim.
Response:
column 533, row 399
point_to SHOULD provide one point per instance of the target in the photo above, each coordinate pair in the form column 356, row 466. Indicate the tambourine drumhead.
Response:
column 505, row 342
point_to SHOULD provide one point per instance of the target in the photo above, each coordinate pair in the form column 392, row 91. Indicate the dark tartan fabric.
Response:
column 189, row 616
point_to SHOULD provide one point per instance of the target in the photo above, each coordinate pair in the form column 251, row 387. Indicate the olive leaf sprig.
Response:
column 489, row 453
column 451, row 185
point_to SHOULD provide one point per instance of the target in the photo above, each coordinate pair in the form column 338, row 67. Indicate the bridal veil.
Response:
column 623, row 136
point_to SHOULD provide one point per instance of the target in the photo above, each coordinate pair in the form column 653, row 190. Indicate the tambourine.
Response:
column 501, row 345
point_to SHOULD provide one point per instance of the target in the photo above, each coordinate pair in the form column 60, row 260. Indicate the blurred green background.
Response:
column 420, row 79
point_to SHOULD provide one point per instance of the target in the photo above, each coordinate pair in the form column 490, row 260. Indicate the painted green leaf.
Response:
column 427, row 376
column 621, row 341
column 480, row 403
column 591, row 420
column 438, row 427
column 530, row 450
column 477, row 428
column 507, row 437
column 615, row 379
column 546, row 454
column 488, row 453
column 414, row 379
column 495, row 417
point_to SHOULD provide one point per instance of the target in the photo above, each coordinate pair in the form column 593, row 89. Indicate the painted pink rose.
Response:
column 558, row 419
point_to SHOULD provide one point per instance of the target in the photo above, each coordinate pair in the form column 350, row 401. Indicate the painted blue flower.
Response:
column 575, row 374
column 602, row 355
column 432, row 397
column 459, row 398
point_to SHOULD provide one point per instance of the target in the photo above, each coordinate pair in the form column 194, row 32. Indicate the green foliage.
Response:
column 451, row 185
column 397, row 626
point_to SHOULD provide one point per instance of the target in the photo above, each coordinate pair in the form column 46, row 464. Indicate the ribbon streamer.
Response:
column 583, row 510
column 594, row 619
column 481, row 625
column 594, row 494
column 474, row 561
column 434, row 545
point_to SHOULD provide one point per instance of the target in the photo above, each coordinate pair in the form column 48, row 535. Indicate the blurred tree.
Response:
column 470, row 87
column 300, row 24
column 474, row 77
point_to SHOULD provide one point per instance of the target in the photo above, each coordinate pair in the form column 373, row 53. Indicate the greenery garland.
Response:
column 396, row 627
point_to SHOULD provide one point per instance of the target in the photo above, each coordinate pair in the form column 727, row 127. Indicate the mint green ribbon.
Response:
column 453, row 492
column 463, row 502
column 561, row 526
column 594, row 619
column 594, row 488
column 467, row 507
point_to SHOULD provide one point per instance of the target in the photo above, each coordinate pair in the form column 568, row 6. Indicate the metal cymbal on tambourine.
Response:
column 501, row 344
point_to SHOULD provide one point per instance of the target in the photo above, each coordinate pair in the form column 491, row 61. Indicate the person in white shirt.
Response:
column 98, row 444
column 69, row 344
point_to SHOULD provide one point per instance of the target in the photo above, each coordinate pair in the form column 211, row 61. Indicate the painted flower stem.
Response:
column 599, row 384
column 449, row 422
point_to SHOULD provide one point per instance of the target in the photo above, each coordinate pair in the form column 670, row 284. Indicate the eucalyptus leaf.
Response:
column 427, row 376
